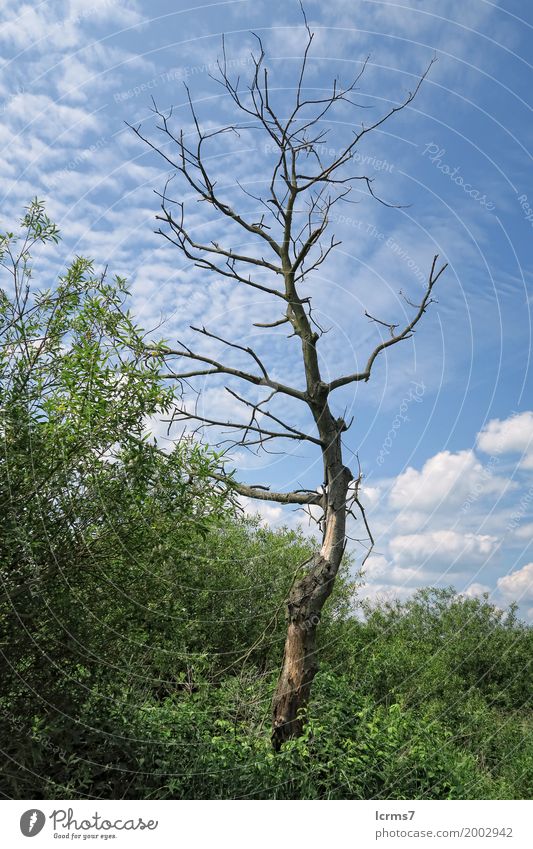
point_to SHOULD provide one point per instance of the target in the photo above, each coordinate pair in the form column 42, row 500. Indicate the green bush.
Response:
column 141, row 615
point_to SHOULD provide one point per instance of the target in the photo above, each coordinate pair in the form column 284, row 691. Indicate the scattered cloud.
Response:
column 525, row 532
column 80, row 72
column 476, row 590
column 518, row 585
column 442, row 547
column 446, row 477
column 513, row 435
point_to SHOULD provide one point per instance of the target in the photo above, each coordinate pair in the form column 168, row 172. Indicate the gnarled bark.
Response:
column 306, row 600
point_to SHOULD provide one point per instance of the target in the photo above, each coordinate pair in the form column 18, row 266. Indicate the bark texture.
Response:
column 307, row 597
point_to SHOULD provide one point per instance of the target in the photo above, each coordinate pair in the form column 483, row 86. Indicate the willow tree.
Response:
column 287, row 236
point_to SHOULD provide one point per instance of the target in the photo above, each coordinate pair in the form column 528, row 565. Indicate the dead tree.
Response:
column 289, row 226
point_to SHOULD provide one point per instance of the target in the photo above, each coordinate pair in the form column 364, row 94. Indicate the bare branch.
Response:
column 214, row 248
column 292, row 218
column 277, row 323
column 257, row 409
column 238, row 347
column 182, row 414
column 354, row 497
column 347, row 154
column 220, row 368
column 406, row 333
column 264, row 494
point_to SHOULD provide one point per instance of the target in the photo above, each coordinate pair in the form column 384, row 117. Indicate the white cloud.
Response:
column 41, row 27
column 442, row 546
column 509, row 436
column 370, row 495
column 384, row 592
column 271, row 515
column 527, row 462
column 476, row 590
column 518, row 585
column 450, row 477
column 48, row 143
column 379, row 570
column 27, row 25
column 52, row 120
column 525, row 532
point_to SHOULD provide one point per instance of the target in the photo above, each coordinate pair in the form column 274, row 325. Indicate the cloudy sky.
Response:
column 443, row 430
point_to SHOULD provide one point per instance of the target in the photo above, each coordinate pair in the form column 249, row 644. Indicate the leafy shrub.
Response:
column 142, row 617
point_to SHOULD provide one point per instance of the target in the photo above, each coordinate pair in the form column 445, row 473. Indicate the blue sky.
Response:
column 443, row 430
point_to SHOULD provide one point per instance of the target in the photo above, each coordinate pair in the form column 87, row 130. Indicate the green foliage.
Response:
column 142, row 619
column 481, row 646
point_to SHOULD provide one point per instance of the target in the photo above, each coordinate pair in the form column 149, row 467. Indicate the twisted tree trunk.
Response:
column 306, row 600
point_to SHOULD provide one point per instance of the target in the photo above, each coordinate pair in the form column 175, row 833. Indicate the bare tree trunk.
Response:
column 306, row 600
column 290, row 243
